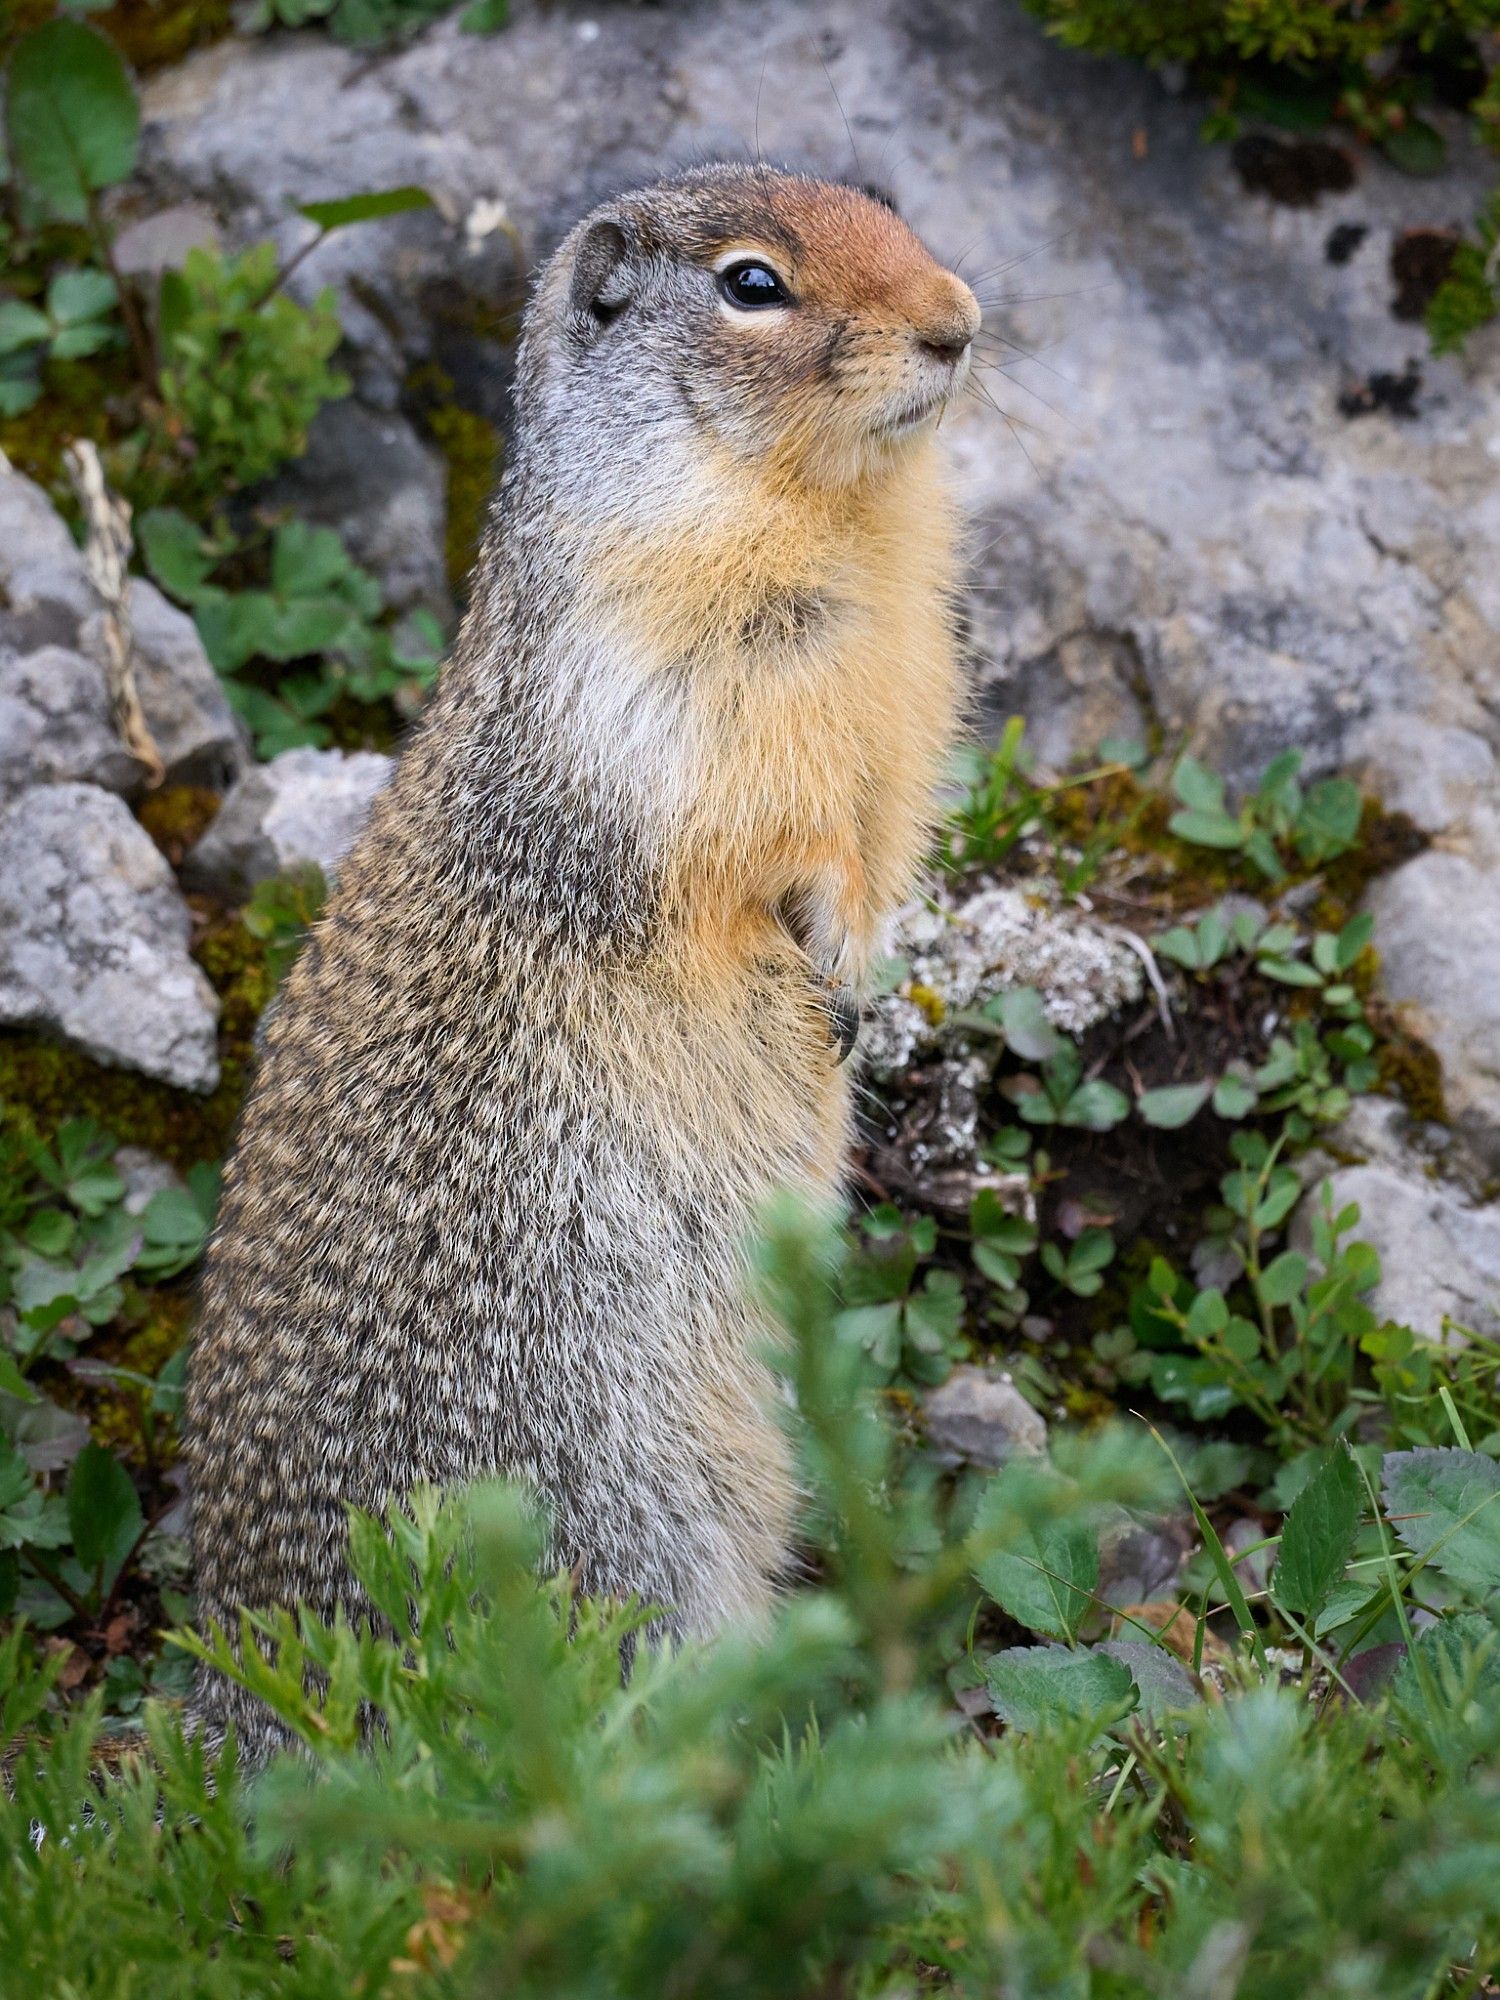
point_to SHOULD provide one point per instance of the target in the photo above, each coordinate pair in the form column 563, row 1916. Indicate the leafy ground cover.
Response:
column 953, row 1764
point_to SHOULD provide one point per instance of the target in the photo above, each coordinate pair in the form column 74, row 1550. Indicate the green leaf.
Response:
column 176, row 552
column 1447, row 1502
column 1199, row 788
column 1283, row 1278
column 1011, row 1233
column 330, row 215
column 1094, row 1107
column 1455, row 1653
column 1162, row 1682
column 1031, row 1686
column 1352, row 940
column 71, row 116
column 104, row 1512
column 1028, row 1032
column 1328, row 823
column 877, row 1329
column 484, row 17
column 21, row 326
column 1181, row 946
column 1317, row 1537
column 79, row 295
column 1207, row 829
column 1289, row 971
column 1194, row 1380
column 936, row 1312
column 12, row 1381
column 1234, row 1097
column 1174, row 1105
column 1417, row 148
column 1045, row 1582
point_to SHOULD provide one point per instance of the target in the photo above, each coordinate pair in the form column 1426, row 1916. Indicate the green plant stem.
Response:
column 142, row 346
column 65, row 1590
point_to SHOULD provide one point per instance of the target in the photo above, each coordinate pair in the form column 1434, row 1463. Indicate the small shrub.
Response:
column 244, row 368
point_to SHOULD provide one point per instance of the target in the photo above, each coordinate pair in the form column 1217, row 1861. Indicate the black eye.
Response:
column 751, row 285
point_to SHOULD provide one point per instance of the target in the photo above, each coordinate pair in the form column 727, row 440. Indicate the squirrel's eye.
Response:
column 751, row 285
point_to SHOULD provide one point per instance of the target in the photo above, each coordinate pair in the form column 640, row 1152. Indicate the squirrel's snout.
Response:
column 949, row 326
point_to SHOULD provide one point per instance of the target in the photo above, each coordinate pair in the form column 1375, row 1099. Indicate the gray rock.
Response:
column 1439, row 1250
column 44, row 589
column 144, row 1175
column 1437, row 927
column 196, row 730
column 1188, row 534
column 156, row 243
column 979, row 1416
column 94, row 937
column 305, row 805
column 47, row 600
column 369, row 476
column 55, row 724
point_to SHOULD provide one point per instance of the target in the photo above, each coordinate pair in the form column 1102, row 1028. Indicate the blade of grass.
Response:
column 1223, row 1569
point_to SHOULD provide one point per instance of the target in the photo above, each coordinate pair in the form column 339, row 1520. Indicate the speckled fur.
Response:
column 557, row 1037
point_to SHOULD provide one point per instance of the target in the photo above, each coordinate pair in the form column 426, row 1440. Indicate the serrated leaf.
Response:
column 71, row 116
column 1317, row 1537
column 1030, row 1686
column 1174, row 1105
column 1162, row 1682
column 1446, row 1502
column 1046, row 1579
column 1461, row 1652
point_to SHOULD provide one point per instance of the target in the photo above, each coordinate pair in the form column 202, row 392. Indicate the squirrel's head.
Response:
column 737, row 319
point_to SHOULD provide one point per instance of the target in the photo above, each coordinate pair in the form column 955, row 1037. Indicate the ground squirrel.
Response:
column 565, row 1024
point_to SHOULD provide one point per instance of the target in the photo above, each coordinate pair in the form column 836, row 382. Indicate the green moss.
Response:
column 471, row 449
column 177, row 817
column 152, row 34
column 1410, row 1070
column 43, row 1083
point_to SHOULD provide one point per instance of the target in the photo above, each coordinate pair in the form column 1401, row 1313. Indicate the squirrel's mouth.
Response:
column 911, row 418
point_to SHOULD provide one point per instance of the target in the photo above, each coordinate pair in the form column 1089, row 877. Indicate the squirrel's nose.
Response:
column 947, row 346
column 953, row 323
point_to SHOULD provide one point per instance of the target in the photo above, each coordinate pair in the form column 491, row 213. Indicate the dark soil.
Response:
column 1296, row 172
column 1420, row 260
column 1395, row 394
column 1343, row 240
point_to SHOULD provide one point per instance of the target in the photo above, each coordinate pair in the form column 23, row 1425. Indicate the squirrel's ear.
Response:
column 600, row 288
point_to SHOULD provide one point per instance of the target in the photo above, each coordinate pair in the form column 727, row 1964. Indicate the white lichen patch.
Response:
column 959, row 952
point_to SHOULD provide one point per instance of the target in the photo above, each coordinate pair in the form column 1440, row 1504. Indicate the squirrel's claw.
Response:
column 843, row 1018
